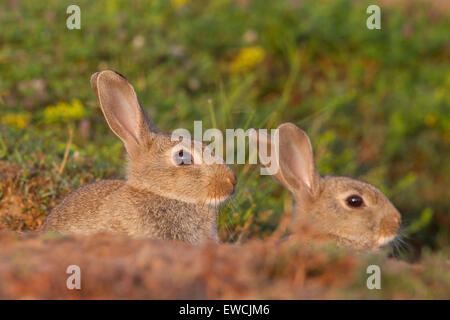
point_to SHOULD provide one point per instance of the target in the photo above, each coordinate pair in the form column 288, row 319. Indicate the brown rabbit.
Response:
column 351, row 212
column 168, row 192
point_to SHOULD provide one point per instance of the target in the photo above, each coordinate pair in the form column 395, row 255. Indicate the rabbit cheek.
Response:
column 356, row 227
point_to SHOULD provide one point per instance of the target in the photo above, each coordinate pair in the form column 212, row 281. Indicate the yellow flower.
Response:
column 178, row 3
column 430, row 120
column 64, row 111
column 247, row 58
column 18, row 120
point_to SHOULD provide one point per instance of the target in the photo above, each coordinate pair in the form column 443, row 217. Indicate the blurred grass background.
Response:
column 376, row 103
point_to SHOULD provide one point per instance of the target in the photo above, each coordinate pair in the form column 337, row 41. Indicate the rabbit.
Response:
column 349, row 212
column 168, row 193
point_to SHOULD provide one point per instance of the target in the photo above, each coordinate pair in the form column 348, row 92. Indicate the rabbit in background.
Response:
column 167, row 194
column 350, row 212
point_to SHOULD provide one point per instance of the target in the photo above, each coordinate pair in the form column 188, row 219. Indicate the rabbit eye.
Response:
column 182, row 158
column 355, row 201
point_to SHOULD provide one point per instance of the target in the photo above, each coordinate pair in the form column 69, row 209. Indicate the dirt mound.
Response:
column 33, row 266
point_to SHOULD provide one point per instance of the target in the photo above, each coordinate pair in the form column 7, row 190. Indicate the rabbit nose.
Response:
column 389, row 226
column 232, row 179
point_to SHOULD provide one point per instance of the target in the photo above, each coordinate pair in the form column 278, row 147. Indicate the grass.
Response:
column 375, row 103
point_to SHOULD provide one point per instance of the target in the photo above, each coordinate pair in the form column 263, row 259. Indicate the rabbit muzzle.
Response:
column 389, row 226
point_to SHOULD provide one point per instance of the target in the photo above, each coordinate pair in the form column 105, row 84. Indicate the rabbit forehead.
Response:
column 162, row 147
column 343, row 187
column 165, row 141
column 155, row 171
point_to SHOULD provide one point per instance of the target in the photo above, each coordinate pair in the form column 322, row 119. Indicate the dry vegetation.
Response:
column 122, row 268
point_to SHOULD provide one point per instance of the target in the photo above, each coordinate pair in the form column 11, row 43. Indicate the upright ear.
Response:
column 122, row 110
column 296, row 160
column 265, row 147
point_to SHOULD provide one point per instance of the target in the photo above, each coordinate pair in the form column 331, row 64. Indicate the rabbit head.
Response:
column 156, row 162
column 349, row 211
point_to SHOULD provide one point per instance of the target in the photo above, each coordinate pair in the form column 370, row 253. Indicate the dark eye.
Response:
column 182, row 157
column 355, row 201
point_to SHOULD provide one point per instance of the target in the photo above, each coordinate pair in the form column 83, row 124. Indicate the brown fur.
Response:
column 159, row 199
column 320, row 202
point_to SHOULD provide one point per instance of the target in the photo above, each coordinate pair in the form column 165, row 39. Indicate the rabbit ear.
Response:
column 121, row 108
column 296, row 160
column 265, row 148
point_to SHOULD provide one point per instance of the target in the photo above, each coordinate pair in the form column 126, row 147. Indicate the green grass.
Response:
column 376, row 103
